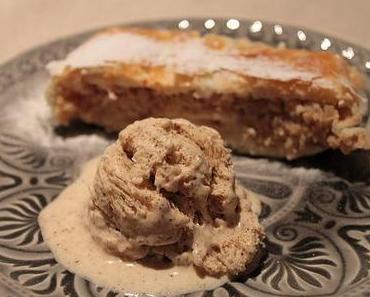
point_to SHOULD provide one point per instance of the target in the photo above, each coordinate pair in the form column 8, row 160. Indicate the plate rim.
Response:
column 140, row 23
column 81, row 36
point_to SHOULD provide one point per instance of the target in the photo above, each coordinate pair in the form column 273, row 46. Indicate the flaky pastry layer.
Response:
column 264, row 101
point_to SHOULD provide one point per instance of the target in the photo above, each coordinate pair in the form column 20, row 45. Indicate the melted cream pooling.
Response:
column 64, row 229
column 189, row 57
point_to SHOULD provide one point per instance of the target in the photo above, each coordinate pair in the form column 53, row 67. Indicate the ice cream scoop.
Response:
column 167, row 188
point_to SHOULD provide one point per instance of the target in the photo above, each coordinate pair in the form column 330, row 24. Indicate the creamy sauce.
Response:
column 63, row 226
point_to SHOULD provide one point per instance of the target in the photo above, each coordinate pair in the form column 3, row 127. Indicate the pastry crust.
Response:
column 264, row 101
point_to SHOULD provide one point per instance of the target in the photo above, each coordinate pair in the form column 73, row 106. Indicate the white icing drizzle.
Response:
column 190, row 56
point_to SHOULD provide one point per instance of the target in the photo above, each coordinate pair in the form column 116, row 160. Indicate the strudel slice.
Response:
column 266, row 101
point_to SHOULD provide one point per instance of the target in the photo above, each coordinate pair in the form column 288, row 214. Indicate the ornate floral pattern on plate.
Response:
column 317, row 221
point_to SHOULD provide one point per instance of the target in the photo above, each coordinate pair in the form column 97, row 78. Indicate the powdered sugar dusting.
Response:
column 27, row 114
column 183, row 56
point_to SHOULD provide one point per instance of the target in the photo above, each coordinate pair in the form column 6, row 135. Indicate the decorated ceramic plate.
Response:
column 316, row 211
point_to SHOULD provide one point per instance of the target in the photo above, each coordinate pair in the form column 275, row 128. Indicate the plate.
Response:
column 316, row 211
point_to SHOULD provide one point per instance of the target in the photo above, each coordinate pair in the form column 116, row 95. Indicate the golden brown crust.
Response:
column 339, row 77
column 312, row 114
